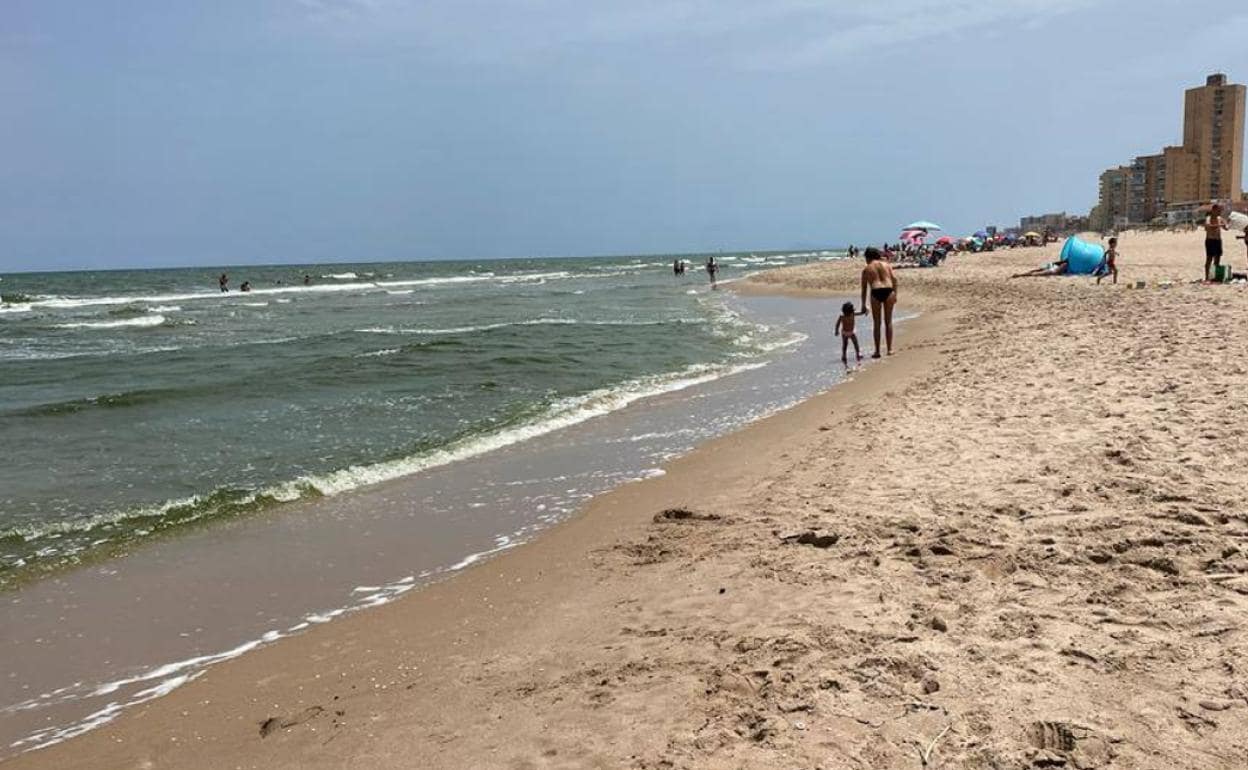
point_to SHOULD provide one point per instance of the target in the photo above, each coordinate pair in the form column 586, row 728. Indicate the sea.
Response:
column 338, row 434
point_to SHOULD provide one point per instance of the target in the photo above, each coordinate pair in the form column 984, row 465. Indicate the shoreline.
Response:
column 1019, row 543
column 165, row 665
column 686, row 470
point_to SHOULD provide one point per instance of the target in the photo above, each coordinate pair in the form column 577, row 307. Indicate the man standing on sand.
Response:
column 1214, row 225
column 879, row 278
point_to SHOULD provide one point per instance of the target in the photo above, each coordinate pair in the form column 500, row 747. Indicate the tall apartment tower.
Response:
column 1213, row 130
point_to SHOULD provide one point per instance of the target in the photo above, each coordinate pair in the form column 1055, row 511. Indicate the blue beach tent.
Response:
column 1082, row 258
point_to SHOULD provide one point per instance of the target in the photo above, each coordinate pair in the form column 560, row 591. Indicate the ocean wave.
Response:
column 147, row 521
column 138, row 322
column 563, row 413
column 15, row 307
column 104, row 401
column 533, row 322
column 341, row 276
column 127, row 311
column 39, row 355
column 69, row 302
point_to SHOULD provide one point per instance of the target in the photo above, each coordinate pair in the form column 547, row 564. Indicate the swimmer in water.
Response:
column 224, row 282
column 246, row 286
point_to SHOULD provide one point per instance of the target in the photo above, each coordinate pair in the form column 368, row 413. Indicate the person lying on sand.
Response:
column 878, row 276
column 1053, row 268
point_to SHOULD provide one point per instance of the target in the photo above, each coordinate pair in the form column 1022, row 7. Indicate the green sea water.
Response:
column 135, row 403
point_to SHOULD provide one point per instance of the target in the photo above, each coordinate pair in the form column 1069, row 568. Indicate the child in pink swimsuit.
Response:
column 845, row 327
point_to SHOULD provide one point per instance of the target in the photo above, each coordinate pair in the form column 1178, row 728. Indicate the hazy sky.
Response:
column 170, row 132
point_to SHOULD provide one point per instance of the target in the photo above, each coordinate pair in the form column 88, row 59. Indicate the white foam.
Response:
column 141, row 321
column 170, row 676
column 466, row 329
column 347, row 283
column 524, row 277
column 378, row 353
column 15, row 307
column 562, row 414
column 164, row 309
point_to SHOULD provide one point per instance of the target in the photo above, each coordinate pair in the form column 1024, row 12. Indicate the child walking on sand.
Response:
column 1107, row 266
column 845, row 327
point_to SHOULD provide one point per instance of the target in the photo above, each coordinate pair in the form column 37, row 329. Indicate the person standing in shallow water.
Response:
column 712, row 267
column 224, row 282
column 879, row 279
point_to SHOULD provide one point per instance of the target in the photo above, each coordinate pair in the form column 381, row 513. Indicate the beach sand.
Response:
column 1038, row 557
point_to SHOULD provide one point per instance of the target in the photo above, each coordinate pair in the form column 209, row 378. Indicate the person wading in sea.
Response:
column 879, row 279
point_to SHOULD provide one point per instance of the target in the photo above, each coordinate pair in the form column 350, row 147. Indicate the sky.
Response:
column 176, row 132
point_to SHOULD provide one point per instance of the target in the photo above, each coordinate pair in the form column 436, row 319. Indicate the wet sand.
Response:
column 1020, row 542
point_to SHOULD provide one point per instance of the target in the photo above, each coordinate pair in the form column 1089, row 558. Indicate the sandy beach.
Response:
column 1022, row 541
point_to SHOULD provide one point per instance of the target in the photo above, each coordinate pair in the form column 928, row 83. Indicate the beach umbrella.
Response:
column 909, row 235
column 923, row 225
column 981, row 235
column 1031, row 234
column 944, row 240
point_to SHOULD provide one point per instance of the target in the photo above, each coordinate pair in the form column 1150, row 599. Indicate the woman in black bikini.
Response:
column 878, row 277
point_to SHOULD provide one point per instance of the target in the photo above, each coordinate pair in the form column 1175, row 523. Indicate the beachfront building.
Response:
column 1043, row 223
column 1112, row 209
column 1182, row 213
column 1146, row 197
column 1213, row 128
column 1182, row 175
column 1175, row 182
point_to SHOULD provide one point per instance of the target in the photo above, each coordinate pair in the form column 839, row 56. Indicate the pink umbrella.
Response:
column 913, row 236
column 944, row 240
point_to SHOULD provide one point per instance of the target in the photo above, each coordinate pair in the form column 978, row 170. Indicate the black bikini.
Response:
column 882, row 293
